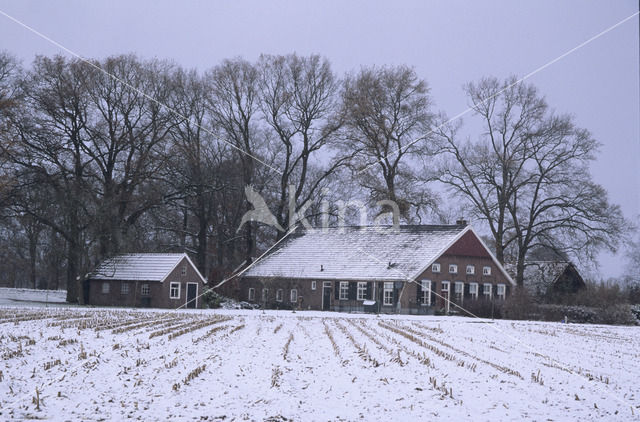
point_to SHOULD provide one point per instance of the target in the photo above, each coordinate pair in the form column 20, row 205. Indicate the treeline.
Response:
column 130, row 155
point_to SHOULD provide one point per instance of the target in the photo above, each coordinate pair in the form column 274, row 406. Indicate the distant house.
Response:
column 550, row 279
column 146, row 280
column 415, row 269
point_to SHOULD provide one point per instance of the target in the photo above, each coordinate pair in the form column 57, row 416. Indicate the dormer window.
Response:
column 471, row 269
column 453, row 269
column 435, row 268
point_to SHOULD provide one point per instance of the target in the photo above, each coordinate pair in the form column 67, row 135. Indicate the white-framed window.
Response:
column 145, row 290
column 387, row 293
column 471, row 269
column 362, row 290
column 458, row 287
column 473, row 290
column 425, row 297
column 252, row 294
column 501, row 291
column 486, row 289
column 279, row 295
column 344, row 290
column 294, row 296
column 124, row 289
column 313, row 285
column 106, row 287
column 486, row 270
column 174, row 290
column 453, row 269
column 445, row 286
column 435, row 267
column 326, row 284
column 265, row 294
column 184, row 270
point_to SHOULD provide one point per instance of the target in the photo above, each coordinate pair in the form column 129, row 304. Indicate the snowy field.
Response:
column 32, row 297
column 108, row 364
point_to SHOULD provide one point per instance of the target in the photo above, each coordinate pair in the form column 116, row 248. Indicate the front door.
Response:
column 192, row 293
column 326, row 298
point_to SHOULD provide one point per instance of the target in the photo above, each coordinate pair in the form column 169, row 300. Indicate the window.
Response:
column 362, row 290
column 344, row 290
column 279, row 295
column 425, row 297
column 486, row 270
column 184, row 270
column 124, row 289
column 435, row 268
column 106, row 287
column 471, row 269
column 453, row 269
column 473, row 290
column 445, row 286
column 252, row 294
column 459, row 287
column 501, row 291
column 265, row 294
column 313, row 285
column 145, row 290
column 294, row 296
column 387, row 298
column 174, row 290
column 487, row 289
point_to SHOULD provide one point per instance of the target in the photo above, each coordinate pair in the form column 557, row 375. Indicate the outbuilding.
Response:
column 168, row 280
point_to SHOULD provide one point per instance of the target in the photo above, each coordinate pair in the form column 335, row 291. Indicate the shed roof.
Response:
column 359, row 253
column 538, row 276
column 142, row 266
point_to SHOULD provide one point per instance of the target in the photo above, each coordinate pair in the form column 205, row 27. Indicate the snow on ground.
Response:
column 31, row 297
column 114, row 364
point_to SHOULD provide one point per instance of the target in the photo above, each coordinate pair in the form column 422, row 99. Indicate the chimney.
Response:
column 461, row 221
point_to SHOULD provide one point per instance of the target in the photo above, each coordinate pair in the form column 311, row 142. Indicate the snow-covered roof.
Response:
column 143, row 266
column 539, row 275
column 358, row 253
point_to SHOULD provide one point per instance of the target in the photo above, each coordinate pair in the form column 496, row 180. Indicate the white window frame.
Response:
column 387, row 293
column 106, row 287
column 486, row 270
column 184, row 270
column 471, row 269
column 458, row 285
column 445, row 286
column 453, row 268
column 145, row 289
column 446, row 293
column 425, row 300
column 252, row 294
column 343, row 292
column 279, row 295
column 124, row 288
column 473, row 290
column 362, row 290
column 313, row 285
column 501, row 291
column 293, row 296
column 484, row 289
column 171, row 287
column 435, row 267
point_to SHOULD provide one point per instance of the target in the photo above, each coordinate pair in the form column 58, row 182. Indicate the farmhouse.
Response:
column 146, row 280
column 550, row 280
column 416, row 269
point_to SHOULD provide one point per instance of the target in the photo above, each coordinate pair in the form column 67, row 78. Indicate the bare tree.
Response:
column 527, row 176
column 233, row 105
column 386, row 109
column 300, row 104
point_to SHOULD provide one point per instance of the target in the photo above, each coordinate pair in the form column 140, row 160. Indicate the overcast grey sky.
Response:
column 448, row 42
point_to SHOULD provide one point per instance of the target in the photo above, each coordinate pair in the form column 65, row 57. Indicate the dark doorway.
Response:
column 326, row 298
column 192, row 293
